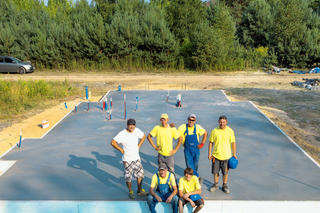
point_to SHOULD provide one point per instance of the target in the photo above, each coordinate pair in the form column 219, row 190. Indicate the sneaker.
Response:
column 131, row 195
column 215, row 187
column 142, row 193
column 200, row 180
column 225, row 189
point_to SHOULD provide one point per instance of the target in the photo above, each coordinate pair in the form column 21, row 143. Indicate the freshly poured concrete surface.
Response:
column 75, row 161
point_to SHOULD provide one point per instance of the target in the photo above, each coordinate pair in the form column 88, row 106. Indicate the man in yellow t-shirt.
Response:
column 190, row 133
column 222, row 138
column 189, row 191
column 165, row 135
column 163, row 188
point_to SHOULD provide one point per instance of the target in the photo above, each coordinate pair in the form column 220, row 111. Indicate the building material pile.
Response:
column 311, row 84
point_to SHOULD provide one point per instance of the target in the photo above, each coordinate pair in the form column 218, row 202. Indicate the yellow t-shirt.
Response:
column 222, row 140
column 164, row 138
column 182, row 129
column 154, row 182
column 189, row 186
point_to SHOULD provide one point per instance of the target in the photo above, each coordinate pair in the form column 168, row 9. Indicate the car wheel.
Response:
column 21, row 70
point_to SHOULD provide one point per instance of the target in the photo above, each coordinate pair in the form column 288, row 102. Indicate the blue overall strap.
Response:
column 194, row 130
column 187, row 130
column 168, row 178
column 158, row 179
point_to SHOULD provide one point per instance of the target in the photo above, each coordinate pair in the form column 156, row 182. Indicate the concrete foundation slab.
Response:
column 75, row 161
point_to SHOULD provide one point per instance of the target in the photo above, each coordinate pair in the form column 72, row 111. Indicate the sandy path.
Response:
column 32, row 127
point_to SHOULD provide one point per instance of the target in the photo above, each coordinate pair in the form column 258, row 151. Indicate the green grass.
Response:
column 18, row 97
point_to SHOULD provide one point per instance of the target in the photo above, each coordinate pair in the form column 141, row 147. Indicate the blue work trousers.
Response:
column 152, row 201
column 192, row 157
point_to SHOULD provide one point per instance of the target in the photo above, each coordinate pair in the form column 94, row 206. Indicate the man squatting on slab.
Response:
column 189, row 191
column 163, row 188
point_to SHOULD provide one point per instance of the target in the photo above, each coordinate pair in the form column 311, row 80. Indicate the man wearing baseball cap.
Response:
column 163, row 188
column 129, row 138
column 165, row 135
column 190, row 133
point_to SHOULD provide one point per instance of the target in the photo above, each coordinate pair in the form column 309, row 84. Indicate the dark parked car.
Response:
column 10, row 64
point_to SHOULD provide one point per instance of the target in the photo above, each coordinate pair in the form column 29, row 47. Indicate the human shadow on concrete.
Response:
column 90, row 166
column 115, row 162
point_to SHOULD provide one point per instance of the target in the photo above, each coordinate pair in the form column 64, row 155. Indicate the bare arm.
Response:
column 116, row 146
column 142, row 141
column 151, row 192
column 234, row 149
column 204, row 138
column 186, row 195
column 175, row 190
column 210, row 150
column 149, row 137
column 172, row 152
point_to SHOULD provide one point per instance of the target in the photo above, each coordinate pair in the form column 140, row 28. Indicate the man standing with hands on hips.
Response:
column 221, row 139
column 129, row 138
column 165, row 135
column 190, row 133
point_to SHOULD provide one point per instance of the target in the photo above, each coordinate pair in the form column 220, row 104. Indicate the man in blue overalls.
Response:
column 190, row 133
column 163, row 188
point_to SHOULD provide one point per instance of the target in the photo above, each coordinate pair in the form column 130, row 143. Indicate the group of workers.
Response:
column 163, row 188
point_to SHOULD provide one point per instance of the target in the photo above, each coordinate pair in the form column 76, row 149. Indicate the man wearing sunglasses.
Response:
column 190, row 134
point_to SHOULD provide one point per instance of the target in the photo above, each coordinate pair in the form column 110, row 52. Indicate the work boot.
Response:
column 214, row 188
column 200, row 181
column 131, row 195
column 142, row 193
column 225, row 189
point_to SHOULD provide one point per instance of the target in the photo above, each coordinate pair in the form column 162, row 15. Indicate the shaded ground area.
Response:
column 75, row 161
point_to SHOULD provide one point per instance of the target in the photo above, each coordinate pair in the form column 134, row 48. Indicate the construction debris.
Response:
column 311, row 84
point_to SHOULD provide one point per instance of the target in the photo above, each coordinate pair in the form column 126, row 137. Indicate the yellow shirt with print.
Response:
column 222, row 140
column 154, row 181
column 189, row 186
column 182, row 129
column 164, row 138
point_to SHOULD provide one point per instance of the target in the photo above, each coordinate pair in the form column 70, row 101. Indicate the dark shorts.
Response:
column 220, row 164
column 197, row 202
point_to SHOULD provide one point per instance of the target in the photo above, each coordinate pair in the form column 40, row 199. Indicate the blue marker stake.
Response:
column 20, row 139
column 137, row 99
column 106, row 104
column 86, row 92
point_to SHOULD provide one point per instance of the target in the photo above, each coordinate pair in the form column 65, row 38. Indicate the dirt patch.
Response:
column 295, row 110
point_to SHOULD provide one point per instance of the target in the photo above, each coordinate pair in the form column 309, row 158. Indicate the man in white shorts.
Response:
column 129, row 138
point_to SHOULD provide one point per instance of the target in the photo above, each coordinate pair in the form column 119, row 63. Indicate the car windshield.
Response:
column 18, row 60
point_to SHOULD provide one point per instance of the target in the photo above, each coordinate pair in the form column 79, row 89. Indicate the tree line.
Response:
column 161, row 34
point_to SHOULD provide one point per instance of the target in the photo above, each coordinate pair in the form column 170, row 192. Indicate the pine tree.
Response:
column 183, row 16
column 256, row 23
